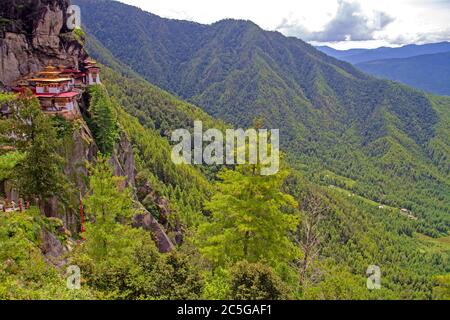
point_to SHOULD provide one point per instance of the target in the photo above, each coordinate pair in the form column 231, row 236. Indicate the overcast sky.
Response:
column 342, row 24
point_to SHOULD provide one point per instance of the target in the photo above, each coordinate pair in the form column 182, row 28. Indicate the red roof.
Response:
column 70, row 94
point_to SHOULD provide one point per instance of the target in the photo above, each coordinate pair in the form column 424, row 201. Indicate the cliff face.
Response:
column 122, row 160
column 33, row 35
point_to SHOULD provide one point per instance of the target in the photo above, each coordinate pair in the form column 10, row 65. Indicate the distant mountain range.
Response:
column 425, row 67
column 355, row 56
column 430, row 72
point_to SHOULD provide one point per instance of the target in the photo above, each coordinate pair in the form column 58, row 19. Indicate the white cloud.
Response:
column 344, row 22
column 421, row 37
column 350, row 23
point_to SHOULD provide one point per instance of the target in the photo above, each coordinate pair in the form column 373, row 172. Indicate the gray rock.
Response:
column 52, row 249
column 147, row 222
column 34, row 38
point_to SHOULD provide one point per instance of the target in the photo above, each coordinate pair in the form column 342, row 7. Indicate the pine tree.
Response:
column 249, row 219
column 107, row 205
column 108, row 200
column 103, row 119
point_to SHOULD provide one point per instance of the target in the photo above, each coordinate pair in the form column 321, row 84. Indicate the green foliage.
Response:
column 354, row 218
column 6, row 98
column 63, row 127
column 103, row 120
column 250, row 219
column 24, row 273
column 39, row 174
column 156, row 113
column 153, row 107
column 106, row 202
column 385, row 137
column 442, row 290
column 120, row 262
column 8, row 162
column 338, row 284
column 255, row 281
column 79, row 35
column 132, row 268
column 184, row 186
column 359, row 142
column 106, row 205
column 355, row 233
column 217, row 284
column 178, row 279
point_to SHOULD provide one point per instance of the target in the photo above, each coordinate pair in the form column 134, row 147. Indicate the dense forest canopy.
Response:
column 390, row 141
column 363, row 182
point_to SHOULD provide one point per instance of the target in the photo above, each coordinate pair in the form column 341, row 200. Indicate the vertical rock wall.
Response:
column 33, row 35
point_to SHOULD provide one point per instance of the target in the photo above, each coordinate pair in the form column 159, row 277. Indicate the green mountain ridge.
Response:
column 120, row 261
column 392, row 140
column 351, row 229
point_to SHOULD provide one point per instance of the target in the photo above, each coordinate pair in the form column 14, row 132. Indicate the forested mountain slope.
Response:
column 237, row 235
column 390, row 140
column 353, row 230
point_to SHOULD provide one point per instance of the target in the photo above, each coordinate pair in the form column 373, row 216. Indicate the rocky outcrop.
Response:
column 82, row 149
column 147, row 222
column 123, row 162
column 152, row 201
column 146, row 195
column 124, row 165
column 77, row 151
column 51, row 248
column 33, row 35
